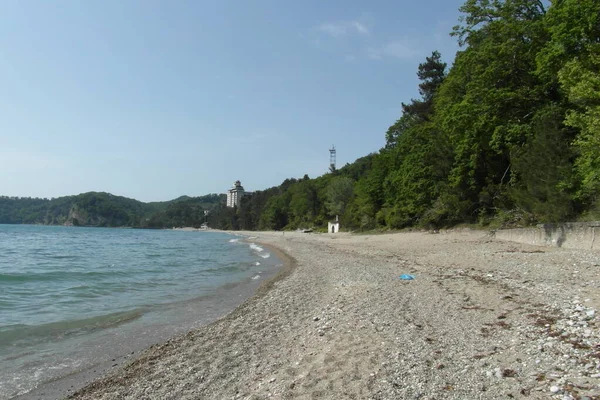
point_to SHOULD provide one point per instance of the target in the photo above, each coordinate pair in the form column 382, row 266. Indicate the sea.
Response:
column 76, row 299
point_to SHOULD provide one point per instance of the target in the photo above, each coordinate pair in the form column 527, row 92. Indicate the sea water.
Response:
column 75, row 299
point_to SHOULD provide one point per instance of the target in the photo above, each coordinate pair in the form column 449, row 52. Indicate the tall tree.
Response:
column 417, row 152
column 572, row 57
column 339, row 195
column 581, row 78
column 431, row 73
column 488, row 102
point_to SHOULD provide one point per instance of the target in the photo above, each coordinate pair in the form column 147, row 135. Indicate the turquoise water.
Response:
column 74, row 298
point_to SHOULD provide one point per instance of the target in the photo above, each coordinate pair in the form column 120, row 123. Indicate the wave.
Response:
column 261, row 252
column 59, row 330
column 234, row 240
column 256, row 247
column 55, row 275
column 63, row 257
column 221, row 270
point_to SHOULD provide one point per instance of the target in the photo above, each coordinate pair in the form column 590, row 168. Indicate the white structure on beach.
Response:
column 234, row 195
column 333, row 226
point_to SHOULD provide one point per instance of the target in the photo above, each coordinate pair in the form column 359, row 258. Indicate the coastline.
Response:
column 132, row 340
column 483, row 319
column 99, row 381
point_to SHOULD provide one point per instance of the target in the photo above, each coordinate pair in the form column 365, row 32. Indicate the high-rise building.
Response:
column 234, row 195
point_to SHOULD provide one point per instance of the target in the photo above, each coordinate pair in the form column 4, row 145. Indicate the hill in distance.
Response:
column 102, row 209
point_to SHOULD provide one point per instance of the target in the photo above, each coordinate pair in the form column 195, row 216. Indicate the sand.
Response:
column 483, row 319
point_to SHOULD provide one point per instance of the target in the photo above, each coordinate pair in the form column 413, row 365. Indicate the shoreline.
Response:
column 483, row 319
column 289, row 264
column 205, row 309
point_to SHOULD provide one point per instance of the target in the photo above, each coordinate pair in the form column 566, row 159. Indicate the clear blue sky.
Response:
column 157, row 99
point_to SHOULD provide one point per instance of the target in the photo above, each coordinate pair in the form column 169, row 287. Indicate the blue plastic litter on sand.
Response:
column 407, row 277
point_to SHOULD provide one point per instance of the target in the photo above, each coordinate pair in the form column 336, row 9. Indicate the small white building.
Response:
column 333, row 226
column 234, row 195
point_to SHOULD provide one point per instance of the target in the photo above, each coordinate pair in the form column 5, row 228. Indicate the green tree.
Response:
column 275, row 213
column 572, row 58
column 432, row 74
column 543, row 171
column 339, row 195
column 303, row 206
column 581, row 79
column 487, row 104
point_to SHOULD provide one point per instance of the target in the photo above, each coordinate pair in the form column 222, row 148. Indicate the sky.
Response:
column 157, row 99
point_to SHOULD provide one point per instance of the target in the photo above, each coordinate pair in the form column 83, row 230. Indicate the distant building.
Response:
column 234, row 195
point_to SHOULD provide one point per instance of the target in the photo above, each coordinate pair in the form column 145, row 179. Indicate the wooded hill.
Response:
column 107, row 210
column 509, row 135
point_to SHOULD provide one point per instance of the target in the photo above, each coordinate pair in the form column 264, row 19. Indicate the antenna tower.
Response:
column 332, row 158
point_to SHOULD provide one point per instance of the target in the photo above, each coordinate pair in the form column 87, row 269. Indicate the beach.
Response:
column 482, row 319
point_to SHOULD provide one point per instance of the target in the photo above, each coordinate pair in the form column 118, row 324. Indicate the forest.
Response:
column 106, row 210
column 509, row 135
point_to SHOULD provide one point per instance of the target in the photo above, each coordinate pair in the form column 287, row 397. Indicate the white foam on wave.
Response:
column 256, row 247
column 255, row 277
column 261, row 252
column 257, row 263
column 234, row 240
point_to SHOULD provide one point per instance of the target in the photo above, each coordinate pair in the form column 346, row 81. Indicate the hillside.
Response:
column 106, row 210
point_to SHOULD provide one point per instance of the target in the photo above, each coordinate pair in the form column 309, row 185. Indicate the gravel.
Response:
column 483, row 319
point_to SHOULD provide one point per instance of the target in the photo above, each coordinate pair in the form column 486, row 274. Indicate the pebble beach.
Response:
column 482, row 319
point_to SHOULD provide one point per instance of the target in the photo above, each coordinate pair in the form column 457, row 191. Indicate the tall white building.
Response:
column 234, row 195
